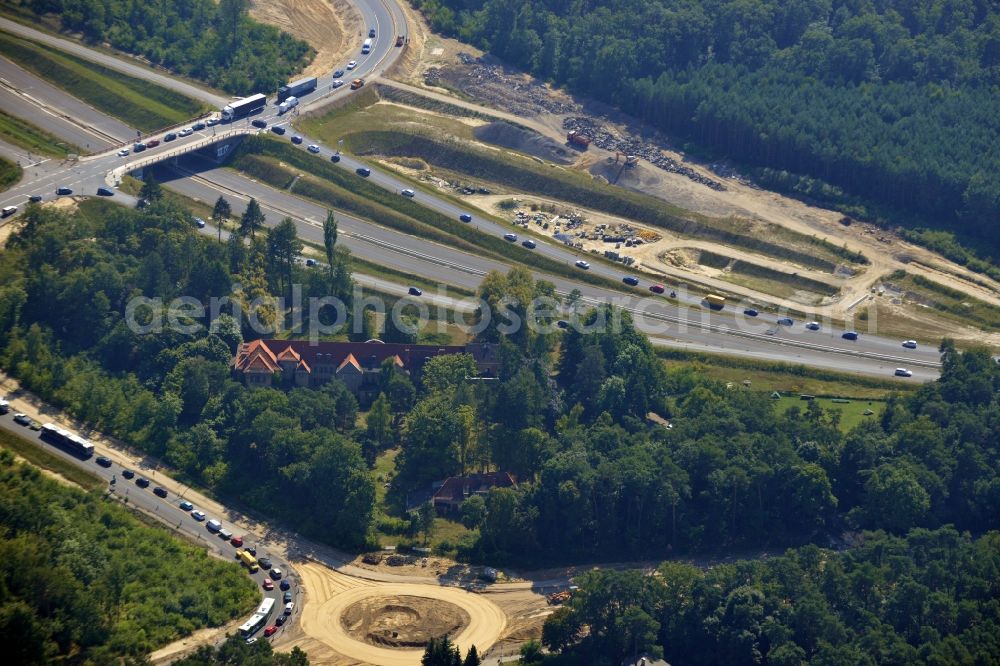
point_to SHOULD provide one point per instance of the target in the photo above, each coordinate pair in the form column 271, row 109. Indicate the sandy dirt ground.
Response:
column 886, row 251
column 179, row 648
column 399, row 621
column 331, row 27
column 329, row 594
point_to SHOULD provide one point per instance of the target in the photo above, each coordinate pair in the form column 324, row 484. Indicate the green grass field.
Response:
column 385, row 467
column 21, row 133
column 949, row 303
column 783, row 377
column 445, row 531
column 10, row 173
column 851, row 413
column 38, row 455
column 137, row 103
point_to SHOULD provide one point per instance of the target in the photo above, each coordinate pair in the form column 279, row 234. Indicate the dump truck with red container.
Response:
column 575, row 138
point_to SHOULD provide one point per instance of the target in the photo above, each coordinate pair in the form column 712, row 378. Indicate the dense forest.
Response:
column 215, row 42
column 567, row 415
column 598, row 481
column 65, row 282
column 86, row 582
column 931, row 597
column 893, row 101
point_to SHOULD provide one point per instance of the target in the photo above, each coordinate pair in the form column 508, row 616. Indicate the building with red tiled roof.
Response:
column 357, row 364
column 456, row 489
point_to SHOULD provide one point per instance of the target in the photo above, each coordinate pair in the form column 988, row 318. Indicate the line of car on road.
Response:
column 216, row 527
column 140, row 146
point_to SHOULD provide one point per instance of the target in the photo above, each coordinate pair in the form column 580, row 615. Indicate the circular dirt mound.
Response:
column 402, row 621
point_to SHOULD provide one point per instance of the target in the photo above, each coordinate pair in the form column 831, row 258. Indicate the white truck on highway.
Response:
column 244, row 107
column 367, row 46
column 288, row 105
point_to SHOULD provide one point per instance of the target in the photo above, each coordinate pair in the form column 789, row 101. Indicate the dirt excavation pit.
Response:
column 402, row 621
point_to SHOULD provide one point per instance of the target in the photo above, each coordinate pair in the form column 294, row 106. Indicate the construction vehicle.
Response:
column 357, row 83
column 630, row 160
column 575, row 138
column 557, row 598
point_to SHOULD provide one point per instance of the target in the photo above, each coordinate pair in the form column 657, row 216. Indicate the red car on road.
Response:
column 657, row 289
column 236, row 541
column 152, row 143
column 268, row 584
column 270, row 631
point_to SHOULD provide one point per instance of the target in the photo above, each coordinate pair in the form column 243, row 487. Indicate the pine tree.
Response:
column 472, row 657
column 252, row 220
column 151, row 190
column 221, row 213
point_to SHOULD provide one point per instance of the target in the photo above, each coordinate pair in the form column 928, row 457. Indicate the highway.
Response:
column 665, row 321
column 693, row 329
column 24, row 95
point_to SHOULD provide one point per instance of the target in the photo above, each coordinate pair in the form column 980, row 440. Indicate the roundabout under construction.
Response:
column 374, row 622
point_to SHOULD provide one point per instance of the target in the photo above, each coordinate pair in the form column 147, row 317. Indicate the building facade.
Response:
column 357, row 364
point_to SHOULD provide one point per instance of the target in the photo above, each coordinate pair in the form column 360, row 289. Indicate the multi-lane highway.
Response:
column 695, row 329
column 666, row 321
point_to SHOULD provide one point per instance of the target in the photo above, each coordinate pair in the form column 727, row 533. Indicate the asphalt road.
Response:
column 56, row 111
column 166, row 510
column 726, row 331
column 116, row 63
column 697, row 329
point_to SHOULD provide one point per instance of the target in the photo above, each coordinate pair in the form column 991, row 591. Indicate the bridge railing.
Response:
column 115, row 176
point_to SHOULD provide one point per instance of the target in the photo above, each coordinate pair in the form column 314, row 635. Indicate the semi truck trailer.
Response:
column 297, row 88
column 243, row 108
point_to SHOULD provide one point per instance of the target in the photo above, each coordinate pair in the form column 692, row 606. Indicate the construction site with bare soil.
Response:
column 815, row 260
column 348, row 619
column 401, row 621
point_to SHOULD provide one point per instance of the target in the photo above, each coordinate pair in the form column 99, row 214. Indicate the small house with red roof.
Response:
column 449, row 495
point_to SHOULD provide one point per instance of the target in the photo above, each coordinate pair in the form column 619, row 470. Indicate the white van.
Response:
column 367, row 46
column 213, row 525
column 9, row 210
